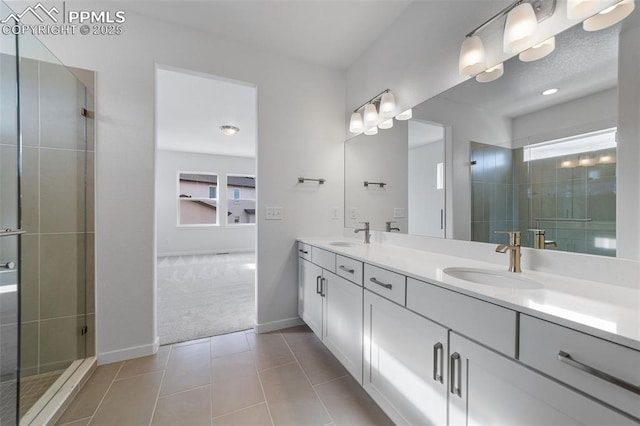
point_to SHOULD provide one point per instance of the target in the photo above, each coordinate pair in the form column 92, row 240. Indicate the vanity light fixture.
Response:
column 405, row 115
column 610, row 16
column 472, row 56
column 549, row 92
column 538, row 51
column 491, row 74
column 229, row 130
column 519, row 28
column 581, row 9
column 381, row 107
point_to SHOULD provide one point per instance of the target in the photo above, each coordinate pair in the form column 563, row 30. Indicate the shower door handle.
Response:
column 8, row 232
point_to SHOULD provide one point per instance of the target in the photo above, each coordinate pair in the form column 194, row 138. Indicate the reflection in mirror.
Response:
column 524, row 158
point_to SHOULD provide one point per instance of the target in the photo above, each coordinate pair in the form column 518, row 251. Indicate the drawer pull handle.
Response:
column 456, row 374
column 347, row 270
column 566, row 358
column 319, row 284
column 380, row 283
column 303, row 251
column 322, row 283
column 437, row 362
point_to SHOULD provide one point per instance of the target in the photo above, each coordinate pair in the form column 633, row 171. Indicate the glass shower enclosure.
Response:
column 46, row 225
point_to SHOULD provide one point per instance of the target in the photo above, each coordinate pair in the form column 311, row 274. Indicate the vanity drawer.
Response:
column 304, row 250
column 324, row 259
column 542, row 342
column 349, row 269
column 489, row 324
column 385, row 283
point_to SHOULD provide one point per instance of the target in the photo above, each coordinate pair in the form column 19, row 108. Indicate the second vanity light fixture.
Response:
column 378, row 113
column 520, row 26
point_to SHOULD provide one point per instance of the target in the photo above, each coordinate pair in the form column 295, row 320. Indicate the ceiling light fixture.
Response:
column 549, row 92
column 539, row 50
column 381, row 107
column 472, row 56
column 610, row 16
column 229, row 130
column 405, row 115
column 519, row 29
column 581, row 9
column 491, row 74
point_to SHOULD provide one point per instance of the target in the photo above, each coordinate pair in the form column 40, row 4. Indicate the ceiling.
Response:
column 191, row 107
column 328, row 33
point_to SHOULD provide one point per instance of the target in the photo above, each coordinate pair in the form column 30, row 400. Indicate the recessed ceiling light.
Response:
column 229, row 130
column 549, row 92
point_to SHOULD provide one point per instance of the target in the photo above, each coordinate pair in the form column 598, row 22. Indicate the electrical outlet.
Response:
column 353, row 213
column 274, row 213
column 335, row 213
column 399, row 213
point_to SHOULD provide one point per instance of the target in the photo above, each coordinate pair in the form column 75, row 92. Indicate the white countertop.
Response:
column 607, row 311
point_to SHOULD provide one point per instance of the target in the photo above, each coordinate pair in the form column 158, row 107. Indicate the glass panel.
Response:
column 9, row 219
column 198, row 194
column 241, row 199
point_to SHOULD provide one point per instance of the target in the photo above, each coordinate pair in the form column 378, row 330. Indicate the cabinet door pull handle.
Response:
column 438, row 360
column 322, row 283
column 380, row 283
column 318, row 284
column 567, row 359
column 456, row 374
column 303, row 251
column 347, row 270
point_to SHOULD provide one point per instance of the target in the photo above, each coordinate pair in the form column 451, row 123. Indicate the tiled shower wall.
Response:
column 58, row 248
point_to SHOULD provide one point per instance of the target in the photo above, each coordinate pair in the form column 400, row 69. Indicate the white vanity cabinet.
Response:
column 404, row 362
column 488, row 388
column 332, row 307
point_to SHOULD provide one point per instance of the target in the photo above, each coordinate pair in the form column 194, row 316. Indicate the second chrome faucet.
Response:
column 513, row 248
column 367, row 232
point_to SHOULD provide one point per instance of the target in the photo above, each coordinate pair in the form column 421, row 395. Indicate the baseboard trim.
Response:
column 204, row 252
column 129, row 353
column 278, row 325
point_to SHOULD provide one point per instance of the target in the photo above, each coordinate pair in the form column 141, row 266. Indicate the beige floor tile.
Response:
column 291, row 398
column 319, row 364
column 258, row 415
column 188, row 367
column 349, row 404
column 235, row 383
column 191, row 408
column 129, row 402
column 146, row 364
column 300, row 336
column 227, row 344
column 86, row 402
column 81, row 422
column 270, row 350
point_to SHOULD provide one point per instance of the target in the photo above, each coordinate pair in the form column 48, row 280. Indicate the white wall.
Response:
column 378, row 158
column 426, row 201
column 174, row 240
column 300, row 133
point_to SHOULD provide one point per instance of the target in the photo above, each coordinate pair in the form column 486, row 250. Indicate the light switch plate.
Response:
column 353, row 213
column 274, row 213
column 335, row 213
column 399, row 213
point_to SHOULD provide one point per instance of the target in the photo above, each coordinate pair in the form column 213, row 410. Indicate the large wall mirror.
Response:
column 550, row 146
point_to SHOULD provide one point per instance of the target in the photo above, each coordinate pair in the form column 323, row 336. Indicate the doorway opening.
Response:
column 205, row 205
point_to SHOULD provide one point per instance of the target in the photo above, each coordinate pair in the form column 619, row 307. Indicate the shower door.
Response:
column 9, row 228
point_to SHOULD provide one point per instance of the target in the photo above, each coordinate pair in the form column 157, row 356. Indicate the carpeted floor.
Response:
column 205, row 295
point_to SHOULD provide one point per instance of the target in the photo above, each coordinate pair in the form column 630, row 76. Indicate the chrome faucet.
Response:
column 539, row 241
column 389, row 228
column 513, row 248
column 367, row 233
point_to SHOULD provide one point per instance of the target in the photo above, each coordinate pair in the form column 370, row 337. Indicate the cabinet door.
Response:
column 343, row 322
column 309, row 297
column 404, row 363
column 488, row 388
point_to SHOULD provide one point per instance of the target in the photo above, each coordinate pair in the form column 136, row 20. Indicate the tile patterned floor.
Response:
column 239, row 379
column 33, row 387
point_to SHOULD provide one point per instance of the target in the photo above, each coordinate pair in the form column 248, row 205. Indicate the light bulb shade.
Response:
column 520, row 27
column 370, row 116
column 491, row 74
column 580, row 9
column 609, row 16
column 387, row 105
column 356, row 124
column 472, row 57
column 405, row 115
column 372, row 131
column 386, row 124
column 229, row 130
column 538, row 51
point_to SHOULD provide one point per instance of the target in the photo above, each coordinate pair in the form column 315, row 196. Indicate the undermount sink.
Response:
column 492, row 278
column 342, row 244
